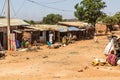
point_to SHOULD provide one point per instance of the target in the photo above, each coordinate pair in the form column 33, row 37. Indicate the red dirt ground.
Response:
column 72, row 62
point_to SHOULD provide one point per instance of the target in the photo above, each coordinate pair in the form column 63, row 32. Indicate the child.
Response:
column 111, row 59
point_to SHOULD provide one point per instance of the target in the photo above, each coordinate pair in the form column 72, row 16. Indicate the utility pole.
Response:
column 8, row 22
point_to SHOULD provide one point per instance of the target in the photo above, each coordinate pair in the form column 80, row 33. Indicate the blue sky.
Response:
column 24, row 9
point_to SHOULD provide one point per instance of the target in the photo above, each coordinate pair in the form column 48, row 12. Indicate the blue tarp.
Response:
column 63, row 30
column 73, row 29
column 70, row 29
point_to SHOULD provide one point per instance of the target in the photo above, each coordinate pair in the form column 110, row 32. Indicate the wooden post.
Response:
column 58, row 36
column 8, row 22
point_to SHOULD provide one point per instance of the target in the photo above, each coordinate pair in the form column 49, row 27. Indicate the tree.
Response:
column 52, row 19
column 89, row 10
column 101, row 18
column 117, row 16
column 110, row 21
column 31, row 22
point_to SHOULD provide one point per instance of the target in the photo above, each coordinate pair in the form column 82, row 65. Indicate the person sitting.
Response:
column 111, row 59
column 118, row 56
column 49, row 44
column 36, row 44
column 64, row 41
column 52, row 46
column 74, row 37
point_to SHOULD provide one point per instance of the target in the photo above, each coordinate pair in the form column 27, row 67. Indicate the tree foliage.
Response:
column 52, row 19
column 117, row 16
column 89, row 10
column 110, row 20
column 31, row 22
column 101, row 18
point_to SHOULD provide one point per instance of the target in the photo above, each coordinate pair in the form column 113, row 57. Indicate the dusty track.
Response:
column 64, row 63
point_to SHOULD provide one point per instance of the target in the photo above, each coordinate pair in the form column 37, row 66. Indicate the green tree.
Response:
column 110, row 21
column 52, row 19
column 101, row 18
column 31, row 22
column 89, row 10
column 117, row 16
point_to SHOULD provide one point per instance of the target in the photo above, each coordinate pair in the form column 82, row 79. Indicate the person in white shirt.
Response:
column 51, row 37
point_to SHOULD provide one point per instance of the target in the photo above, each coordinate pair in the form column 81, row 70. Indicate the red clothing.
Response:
column 111, row 59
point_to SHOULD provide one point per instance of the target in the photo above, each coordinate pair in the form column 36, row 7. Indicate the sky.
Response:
column 27, row 10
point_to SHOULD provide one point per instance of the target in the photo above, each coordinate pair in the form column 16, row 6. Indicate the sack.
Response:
column 118, row 62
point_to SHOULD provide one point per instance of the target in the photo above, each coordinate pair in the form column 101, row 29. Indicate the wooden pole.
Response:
column 8, row 23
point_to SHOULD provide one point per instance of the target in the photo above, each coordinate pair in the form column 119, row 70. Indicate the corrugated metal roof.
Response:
column 13, row 22
column 77, row 24
column 48, row 27
column 24, row 30
column 17, row 31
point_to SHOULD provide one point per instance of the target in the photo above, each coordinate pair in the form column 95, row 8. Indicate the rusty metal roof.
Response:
column 43, row 27
column 13, row 22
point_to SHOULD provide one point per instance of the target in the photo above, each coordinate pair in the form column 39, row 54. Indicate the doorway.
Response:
column 1, row 38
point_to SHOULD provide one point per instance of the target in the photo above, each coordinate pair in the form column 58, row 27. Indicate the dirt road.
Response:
column 72, row 62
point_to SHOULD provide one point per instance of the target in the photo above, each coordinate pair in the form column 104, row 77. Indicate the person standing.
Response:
column 51, row 37
column 95, row 37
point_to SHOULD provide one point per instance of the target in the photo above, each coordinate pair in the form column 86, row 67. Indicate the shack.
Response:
column 45, row 30
column 86, row 31
column 14, row 25
column 27, row 34
column 100, row 28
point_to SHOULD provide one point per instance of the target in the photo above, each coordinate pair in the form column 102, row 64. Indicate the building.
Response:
column 86, row 31
column 44, row 31
column 14, row 25
column 100, row 28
